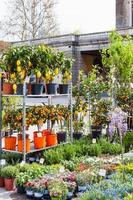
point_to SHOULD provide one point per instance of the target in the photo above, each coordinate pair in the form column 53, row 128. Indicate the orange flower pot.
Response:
column 7, row 88
column 39, row 142
column 10, row 143
column 9, row 184
column 20, row 136
column 51, row 140
column 46, row 132
column 20, row 145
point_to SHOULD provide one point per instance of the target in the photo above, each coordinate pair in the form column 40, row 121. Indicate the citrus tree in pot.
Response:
column 48, row 63
column 66, row 76
column 17, row 60
column 9, row 174
column 95, row 85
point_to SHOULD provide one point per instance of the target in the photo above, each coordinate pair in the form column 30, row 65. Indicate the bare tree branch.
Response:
column 29, row 19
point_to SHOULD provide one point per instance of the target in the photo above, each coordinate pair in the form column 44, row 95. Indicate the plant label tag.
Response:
column 39, row 134
column 41, row 160
column 22, row 163
column 61, row 170
column 93, row 140
column 2, row 162
column 102, row 172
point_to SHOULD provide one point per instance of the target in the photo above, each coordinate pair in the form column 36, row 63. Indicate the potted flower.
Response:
column 29, row 188
column 58, row 189
column 9, row 174
column 39, row 188
column 66, row 76
column 83, row 179
column 71, row 188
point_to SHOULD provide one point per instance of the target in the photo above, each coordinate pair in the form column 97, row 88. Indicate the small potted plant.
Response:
column 58, row 189
column 9, row 174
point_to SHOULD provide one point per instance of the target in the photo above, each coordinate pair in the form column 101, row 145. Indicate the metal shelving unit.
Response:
column 29, row 100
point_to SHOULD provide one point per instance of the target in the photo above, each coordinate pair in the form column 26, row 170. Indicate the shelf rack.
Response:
column 34, row 99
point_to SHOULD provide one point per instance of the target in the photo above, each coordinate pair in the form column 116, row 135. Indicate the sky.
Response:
column 82, row 16
column 86, row 16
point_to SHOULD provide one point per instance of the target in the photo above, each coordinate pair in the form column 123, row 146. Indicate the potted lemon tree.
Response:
column 17, row 61
column 66, row 76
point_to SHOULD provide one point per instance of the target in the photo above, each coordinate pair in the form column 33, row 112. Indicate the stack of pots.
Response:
column 44, row 138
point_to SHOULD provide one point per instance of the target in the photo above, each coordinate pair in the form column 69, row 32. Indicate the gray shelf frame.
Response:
column 24, row 105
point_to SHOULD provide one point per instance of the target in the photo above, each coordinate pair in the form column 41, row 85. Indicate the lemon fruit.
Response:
column 18, row 68
column 76, row 112
column 80, row 109
column 14, row 88
column 18, row 62
column 12, row 76
column 38, row 74
column 66, row 74
column 30, row 64
column 56, row 71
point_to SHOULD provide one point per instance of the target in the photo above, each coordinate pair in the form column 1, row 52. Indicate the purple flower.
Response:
column 118, row 120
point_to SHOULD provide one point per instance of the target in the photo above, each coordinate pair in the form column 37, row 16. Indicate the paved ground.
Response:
column 5, row 195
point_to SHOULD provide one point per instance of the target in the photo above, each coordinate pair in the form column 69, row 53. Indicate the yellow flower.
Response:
column 0, row 75
column 18, row 63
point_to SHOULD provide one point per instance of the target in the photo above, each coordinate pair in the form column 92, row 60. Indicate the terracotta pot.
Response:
column 20, row 145
column 29, row 88
column 7, row 88
column 10, row 143
column 9, row 184
column 2, row 182
column 51, row 140
column 39, row 142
